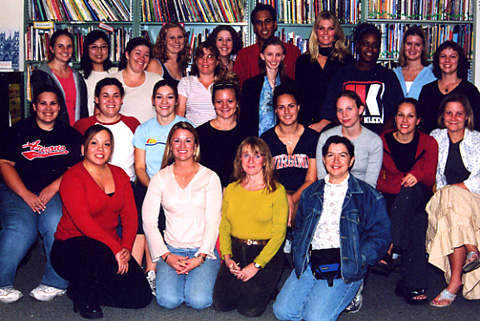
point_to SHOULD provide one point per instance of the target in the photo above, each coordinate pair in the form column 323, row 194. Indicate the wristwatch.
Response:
column 258, row 266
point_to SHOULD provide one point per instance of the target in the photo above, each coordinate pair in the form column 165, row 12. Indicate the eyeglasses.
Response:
column 97, row 48
column 207, row 57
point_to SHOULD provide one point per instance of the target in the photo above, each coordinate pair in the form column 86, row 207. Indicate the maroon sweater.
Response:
column 424, row 169
column 88, row 211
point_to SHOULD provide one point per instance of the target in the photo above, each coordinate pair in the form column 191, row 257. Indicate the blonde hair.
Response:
column 414, row 31
column 259, row 147
column 339, row 49
column 168, row 157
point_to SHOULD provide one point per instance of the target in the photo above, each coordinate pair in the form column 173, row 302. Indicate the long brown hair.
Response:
column 159, row 50
column 259, row 147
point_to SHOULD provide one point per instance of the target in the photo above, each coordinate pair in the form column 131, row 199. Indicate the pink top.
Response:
column 192, row 214
column 68, row 85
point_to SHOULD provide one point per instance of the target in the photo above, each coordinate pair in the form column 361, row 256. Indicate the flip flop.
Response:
column 445, row 295
column 473, row 264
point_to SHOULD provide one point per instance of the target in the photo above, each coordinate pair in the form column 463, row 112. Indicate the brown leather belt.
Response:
column 250, row 242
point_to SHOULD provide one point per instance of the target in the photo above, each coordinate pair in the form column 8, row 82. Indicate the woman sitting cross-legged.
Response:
column 406, row 180
column 254, row 221
column 453, row 232
column 88, row 251
column 191, row 196
column 342, row 227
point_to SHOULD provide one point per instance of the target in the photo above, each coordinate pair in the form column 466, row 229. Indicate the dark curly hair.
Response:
column 463, row 65
column 365, row 29
column 237, row 41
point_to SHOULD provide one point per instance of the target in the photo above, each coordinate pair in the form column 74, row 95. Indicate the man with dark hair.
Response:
column 264, row 20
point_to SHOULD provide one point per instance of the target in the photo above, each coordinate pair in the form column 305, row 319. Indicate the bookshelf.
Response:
column 295, row 19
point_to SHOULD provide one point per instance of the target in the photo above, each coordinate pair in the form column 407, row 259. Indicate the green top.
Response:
column 255, row 215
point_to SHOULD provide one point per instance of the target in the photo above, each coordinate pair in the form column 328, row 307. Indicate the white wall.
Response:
column 11, row 16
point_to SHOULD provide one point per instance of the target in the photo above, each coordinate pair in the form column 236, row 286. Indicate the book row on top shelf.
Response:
column 461, row 10
column 227, row 11
column 79, row 10
column 305, row 11
column 37, row 41
column 392, row 35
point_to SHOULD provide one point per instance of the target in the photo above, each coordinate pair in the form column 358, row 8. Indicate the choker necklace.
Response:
column 325, row 51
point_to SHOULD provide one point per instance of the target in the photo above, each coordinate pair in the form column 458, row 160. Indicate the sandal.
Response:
column 445, row 295
column 409, row 294
column 383, row 268
column 470, row 264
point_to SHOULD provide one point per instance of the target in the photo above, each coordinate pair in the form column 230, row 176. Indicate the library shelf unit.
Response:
column 295, row 20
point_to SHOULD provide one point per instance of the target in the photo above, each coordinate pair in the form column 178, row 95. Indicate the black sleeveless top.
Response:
column 167, row 76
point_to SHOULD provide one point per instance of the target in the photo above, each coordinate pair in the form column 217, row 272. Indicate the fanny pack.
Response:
column 326, row 264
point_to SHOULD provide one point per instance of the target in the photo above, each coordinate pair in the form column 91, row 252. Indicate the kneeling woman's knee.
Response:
column 168, row 301
column 199, row 302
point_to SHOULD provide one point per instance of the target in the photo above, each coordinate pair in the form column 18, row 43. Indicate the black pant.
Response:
column 249, row 298
column 408, row 222
column 91, row 269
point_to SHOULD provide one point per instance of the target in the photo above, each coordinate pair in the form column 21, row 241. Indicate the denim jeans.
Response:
column 194, row 288
column 20, row 230
column 310, row 299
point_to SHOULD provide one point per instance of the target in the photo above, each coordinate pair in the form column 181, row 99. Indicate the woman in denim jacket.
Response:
column 352, row 229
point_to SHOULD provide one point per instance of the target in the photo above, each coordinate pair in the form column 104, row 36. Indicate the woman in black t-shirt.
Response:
column 221, row 136
column 35, row 154
column 293, row 147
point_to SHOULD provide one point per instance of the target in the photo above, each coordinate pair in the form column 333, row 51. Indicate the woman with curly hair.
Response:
column 327, row 51
column 450, row 66
column 170, row 52
column 228, row 43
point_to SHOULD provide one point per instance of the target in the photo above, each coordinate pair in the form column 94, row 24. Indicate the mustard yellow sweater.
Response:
column 256, row 215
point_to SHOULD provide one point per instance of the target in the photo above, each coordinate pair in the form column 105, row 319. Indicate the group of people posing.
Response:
column 143, row 180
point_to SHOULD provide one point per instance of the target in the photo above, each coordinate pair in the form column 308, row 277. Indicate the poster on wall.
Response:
column 9, row 49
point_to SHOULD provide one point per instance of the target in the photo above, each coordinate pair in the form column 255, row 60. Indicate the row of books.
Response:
column 461, row 10
column 79, row 10
column 305, row 11
column 436, row 34
column 38, row 40
column 193, row 10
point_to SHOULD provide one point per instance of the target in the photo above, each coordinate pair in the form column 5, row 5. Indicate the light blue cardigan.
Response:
column 424, row 77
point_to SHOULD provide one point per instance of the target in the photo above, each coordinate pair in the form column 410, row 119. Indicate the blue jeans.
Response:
column 195, row 288
column 310, row 299
column 20, row 230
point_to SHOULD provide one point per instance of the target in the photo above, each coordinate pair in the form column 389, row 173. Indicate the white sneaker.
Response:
column 9, row 295
column 151, row 278
column 46, row 293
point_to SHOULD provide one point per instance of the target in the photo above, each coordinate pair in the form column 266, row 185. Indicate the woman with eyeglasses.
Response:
column 95, row 64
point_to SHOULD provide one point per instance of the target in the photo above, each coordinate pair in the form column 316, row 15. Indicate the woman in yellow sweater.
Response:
column 252, row 230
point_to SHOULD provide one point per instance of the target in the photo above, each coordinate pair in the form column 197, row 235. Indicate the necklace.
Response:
column 225, row 67
column 454, row 85
column 220, row 127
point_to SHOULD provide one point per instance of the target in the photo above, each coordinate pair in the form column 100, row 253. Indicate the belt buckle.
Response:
column 249, row 242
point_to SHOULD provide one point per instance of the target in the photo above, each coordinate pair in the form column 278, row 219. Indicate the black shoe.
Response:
column 408, row 294
column 383, row 268
column 88, row 311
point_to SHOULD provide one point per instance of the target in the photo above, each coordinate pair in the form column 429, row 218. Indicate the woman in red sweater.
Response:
column 406, row 180
column 88, row 251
